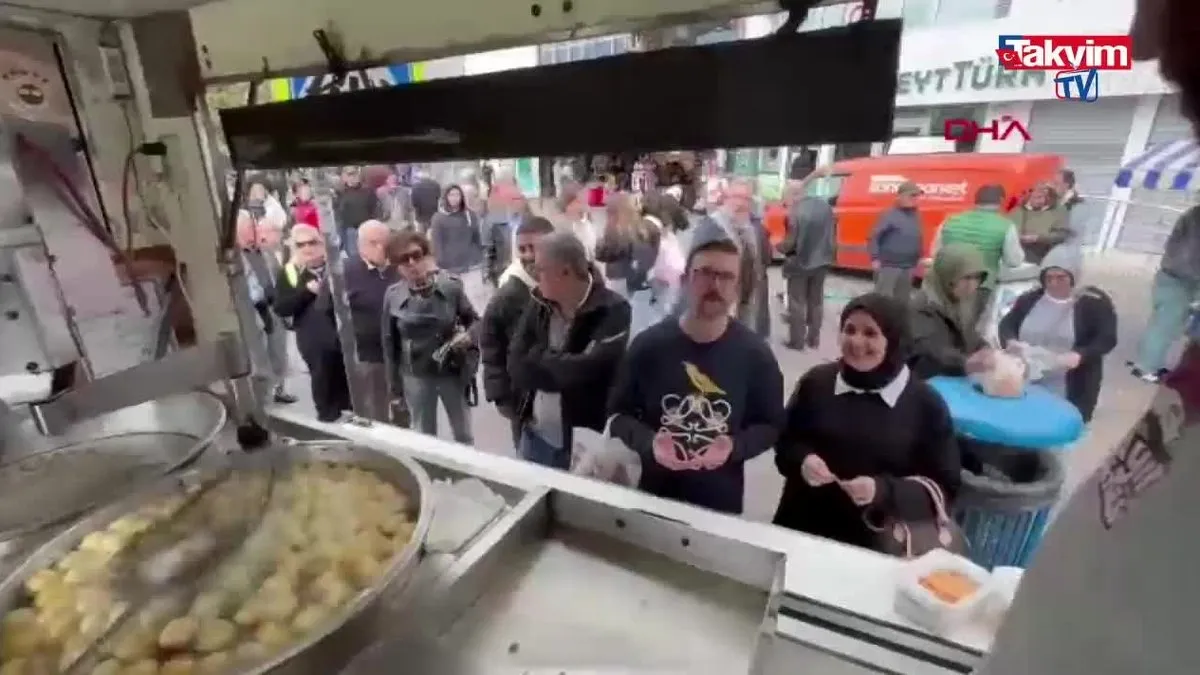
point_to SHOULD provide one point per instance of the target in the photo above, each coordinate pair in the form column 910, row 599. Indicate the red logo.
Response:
column 969, row 130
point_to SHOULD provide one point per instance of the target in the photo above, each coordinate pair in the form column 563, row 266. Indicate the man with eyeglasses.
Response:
column 514, row 292
column 302, row 295
column 698, row 397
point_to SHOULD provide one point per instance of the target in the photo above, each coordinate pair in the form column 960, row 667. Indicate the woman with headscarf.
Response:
column 1077, row 323
column 945, row 338
column 455, row 235
column 857, row 427
column 1041, row 222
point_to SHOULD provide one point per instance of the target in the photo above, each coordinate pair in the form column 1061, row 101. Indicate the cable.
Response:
column 129, row 175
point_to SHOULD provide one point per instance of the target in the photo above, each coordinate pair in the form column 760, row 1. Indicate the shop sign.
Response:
column 983, row 74
column 938, row 192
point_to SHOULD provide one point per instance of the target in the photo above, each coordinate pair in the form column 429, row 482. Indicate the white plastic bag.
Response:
column 599, row 455
column 1006, row 377
column 1039, row 361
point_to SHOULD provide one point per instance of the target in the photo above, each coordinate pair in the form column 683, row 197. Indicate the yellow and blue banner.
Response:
column 289, row 88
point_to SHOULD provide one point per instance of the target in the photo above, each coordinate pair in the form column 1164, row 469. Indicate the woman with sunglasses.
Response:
column 429, row 347
column 945, row 340
column 302, row 297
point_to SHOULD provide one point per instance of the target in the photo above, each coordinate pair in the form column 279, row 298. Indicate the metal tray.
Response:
column 323, row 652
column 48, row 481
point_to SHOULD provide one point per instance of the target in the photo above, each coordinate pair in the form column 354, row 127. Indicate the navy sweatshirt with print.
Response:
column 670, row 385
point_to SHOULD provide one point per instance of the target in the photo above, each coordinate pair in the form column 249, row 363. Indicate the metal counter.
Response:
column 576, row 576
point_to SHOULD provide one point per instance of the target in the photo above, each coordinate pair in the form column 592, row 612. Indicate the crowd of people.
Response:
column 652, row 325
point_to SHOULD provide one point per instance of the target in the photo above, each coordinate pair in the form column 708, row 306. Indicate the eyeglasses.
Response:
column 410, row 257
column 306, row 243
column 714, row 276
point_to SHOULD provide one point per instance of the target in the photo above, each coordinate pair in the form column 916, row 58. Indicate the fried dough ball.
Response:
column 309, row 618
column 22, row 634
column 179, row 633
column 143, row 667
column 251, row 652
column 273, row 635
column 133, row 643
column 214, row 663
column 109, row 667
column 180, row 665
column 215, row 635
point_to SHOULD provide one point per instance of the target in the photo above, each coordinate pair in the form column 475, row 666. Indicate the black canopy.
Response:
column 831, row 86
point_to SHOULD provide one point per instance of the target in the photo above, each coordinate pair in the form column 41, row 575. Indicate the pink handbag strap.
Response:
column 935, row 495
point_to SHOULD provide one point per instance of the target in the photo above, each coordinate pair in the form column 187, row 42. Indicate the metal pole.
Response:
column 323, row 194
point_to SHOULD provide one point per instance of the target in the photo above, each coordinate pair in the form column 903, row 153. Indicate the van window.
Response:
column 826, row 186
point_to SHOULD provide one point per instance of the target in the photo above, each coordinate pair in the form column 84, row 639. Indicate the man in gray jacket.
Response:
column 808, row 250
column 895, row 244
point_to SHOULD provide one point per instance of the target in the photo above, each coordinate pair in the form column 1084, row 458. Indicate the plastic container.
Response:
column 920, row 605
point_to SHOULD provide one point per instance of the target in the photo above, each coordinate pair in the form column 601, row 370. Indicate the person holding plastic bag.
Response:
column 945, row 338
column 696, row 398
column 1074, row 325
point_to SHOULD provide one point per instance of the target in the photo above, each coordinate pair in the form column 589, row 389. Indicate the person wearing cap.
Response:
column 990, row 233
column 895, row 244
column 699, row 396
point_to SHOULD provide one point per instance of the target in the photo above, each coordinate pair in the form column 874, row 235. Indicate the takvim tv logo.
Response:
column 1077, row 60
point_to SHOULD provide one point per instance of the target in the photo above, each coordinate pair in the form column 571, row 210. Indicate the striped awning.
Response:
column 1167, row 166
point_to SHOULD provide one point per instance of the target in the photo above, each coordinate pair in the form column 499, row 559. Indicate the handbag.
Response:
column 905, row 539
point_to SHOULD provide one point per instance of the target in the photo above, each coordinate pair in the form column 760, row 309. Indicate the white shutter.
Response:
column 1146, row 225
column 1091, row 139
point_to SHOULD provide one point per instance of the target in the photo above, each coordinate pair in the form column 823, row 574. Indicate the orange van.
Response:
column 866, row 187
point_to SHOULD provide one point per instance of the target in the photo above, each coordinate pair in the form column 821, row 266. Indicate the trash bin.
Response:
column 1004, row 501
column 1012, row 467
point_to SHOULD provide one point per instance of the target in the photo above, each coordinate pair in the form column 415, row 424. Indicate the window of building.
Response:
column 828, row 187
column 965, row 11
column 851, row 151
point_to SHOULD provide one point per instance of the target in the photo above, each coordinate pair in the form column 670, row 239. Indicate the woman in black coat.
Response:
column 1078, row 323
column 857, row 428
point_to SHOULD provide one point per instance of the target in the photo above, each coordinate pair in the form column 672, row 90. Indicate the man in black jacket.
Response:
column 356, row 203
column 368, row 276
column 500, row 319
column 565, row 351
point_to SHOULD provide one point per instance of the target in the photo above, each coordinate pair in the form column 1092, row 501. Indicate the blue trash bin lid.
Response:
column 1038, row 420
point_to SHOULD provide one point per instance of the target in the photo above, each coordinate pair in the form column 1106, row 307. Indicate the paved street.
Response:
column 1122, row 401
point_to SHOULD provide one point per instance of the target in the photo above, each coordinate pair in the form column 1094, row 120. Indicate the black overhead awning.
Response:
column 831, row 86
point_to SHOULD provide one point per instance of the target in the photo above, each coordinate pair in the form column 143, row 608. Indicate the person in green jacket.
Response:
column 945, row 338
column 990, row 233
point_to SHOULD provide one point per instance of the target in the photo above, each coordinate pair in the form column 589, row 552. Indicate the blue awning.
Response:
column 1167, row 166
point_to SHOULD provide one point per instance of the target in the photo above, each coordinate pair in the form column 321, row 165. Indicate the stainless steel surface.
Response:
column 69, row 277
column 187, row 369
column 325, row 651
column 617, row 544
column 542, row 589
column 47, row 481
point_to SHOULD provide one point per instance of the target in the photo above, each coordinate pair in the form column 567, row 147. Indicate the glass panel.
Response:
column 965, row 11
column 562, row 53
column 851, row 150
column 545, row 54
column 826, row 186
column 770, row 161
column 890, row 9
column 576, row 51
column 606, row 47
column 918, row 13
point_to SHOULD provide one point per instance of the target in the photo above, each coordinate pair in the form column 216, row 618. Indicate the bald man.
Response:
column 368, row 276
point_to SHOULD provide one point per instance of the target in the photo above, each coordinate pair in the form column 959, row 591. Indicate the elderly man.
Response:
column 368, row 276
column 564, row 352
column 261, row 270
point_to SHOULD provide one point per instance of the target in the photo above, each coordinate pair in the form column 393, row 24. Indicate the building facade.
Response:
column 948, row 70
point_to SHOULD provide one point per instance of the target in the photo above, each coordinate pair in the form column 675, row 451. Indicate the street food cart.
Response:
column 555, row 572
